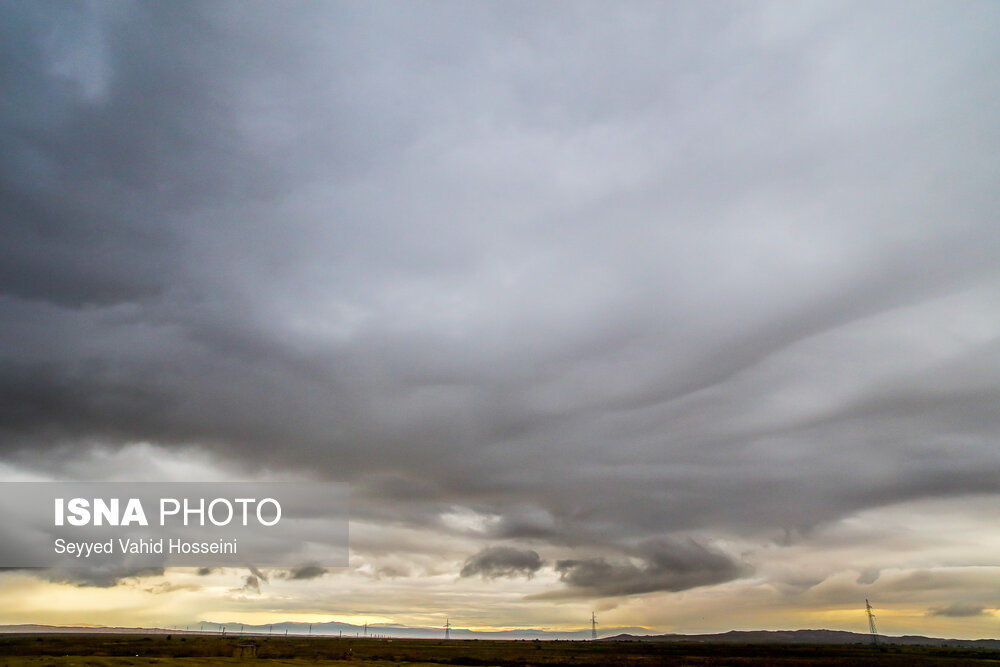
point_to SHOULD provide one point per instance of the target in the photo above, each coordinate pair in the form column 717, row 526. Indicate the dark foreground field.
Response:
column 195, row 650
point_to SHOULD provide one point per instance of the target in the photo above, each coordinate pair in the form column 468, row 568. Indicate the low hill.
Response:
column 806, row 637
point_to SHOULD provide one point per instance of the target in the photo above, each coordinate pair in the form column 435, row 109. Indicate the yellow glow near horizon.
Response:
column 49, row 597
column 176, row 600
column 258, row 617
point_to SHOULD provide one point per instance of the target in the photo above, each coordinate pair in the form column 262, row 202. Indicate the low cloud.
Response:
column 257, row 573
column 251, row 584
column 495, row 562
column 168, row 587
column 664, row 566
column 305, row 572
column 100, row 577
column 958, row 611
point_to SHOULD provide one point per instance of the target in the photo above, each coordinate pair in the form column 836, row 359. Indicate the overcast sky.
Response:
column 595, row 305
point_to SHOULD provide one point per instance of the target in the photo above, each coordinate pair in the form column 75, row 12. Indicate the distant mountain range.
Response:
column 334, row 629
column 805, row 637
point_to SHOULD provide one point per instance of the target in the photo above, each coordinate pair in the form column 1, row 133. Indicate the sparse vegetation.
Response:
column 198, row 650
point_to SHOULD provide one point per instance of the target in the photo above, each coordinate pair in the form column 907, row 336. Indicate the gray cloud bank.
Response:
column 601, row 272
column 306, row 572
column 958, row 611
column 664, row 566
column 494, row 562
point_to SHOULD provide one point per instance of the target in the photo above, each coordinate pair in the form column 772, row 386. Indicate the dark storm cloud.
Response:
column 664, row 566
column 495, row 562
column 108, row 132
column 589, row 273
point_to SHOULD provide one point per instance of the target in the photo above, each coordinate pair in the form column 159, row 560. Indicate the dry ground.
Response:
column 193, row 650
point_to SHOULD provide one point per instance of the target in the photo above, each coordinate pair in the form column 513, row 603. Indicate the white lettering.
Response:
column 211, row 511
column 277, row 512
column 79, row 508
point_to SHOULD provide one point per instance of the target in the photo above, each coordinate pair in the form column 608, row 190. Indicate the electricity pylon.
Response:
column 871, row 622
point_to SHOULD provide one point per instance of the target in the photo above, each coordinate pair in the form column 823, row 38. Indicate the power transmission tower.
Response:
column 447, row 628
column 593, row 625
column 366, row 628
column 871, row 622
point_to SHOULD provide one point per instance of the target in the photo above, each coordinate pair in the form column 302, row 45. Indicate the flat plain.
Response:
column 196, row 650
